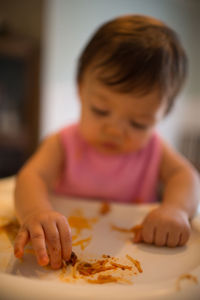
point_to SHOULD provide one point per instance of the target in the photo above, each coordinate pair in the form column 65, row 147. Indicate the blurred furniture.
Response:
column 19, row 101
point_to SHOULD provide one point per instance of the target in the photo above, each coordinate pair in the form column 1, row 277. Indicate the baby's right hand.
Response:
column 45, row 229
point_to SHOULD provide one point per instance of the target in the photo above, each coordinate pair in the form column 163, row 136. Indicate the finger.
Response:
column 148, row 234
column 167, row 237
column 138, row 236
column 185, row 234
column 161, row 237
column 54, row 245
column 21, row 240
column 65, row 238
column 184, row 237
column 39, row 245
column 173, row 239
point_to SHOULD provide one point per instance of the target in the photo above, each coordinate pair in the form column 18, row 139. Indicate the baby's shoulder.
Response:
column 69, row 129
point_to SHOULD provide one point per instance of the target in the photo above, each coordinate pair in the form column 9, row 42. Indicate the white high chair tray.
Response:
column 162, row 267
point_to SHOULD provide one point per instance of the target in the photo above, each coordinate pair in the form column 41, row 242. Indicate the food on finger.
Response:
column 73, row 259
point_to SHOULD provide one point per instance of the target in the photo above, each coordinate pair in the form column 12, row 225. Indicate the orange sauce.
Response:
column 82, row 243
column 136, row 263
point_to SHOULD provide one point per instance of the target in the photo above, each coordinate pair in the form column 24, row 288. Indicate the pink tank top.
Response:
column 124, row 178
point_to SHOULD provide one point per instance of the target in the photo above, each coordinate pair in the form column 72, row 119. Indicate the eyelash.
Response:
column 104, row 113
column 100, row 112
column 138, row 126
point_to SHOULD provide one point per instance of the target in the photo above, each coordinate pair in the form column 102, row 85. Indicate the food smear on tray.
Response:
column 182, row 277
column 78, row 222
column 11, row 229
column 83, row 243
column 107, row 269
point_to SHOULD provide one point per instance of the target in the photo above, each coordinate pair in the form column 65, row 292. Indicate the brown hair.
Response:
column 136, row 53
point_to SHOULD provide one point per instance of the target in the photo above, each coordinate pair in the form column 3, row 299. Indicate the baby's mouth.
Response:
column 110, row 146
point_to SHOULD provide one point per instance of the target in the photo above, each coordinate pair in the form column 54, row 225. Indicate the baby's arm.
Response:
column 45, row 227
column 169, row 224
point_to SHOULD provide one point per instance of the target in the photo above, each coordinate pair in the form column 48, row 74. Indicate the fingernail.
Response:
column 44, row 260
column 17, row 253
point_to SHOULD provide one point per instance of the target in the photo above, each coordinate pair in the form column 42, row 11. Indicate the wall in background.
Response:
column 69, row 24
column 22, row 16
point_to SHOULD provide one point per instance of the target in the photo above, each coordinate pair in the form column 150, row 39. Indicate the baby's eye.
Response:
column 100, row 112
column 138, row 125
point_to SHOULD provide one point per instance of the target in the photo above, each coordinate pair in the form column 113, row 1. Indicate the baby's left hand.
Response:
column 165, row 226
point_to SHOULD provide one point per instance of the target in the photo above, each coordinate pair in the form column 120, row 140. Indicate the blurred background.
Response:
column 40, row 41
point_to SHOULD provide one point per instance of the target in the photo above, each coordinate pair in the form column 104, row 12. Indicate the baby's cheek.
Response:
column 85, row 130
column 137, row 141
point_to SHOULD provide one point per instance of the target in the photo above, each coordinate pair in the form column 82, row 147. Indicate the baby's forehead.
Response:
column 101, row 88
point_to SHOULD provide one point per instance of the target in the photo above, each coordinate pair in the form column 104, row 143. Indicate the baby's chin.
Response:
column 112, row 149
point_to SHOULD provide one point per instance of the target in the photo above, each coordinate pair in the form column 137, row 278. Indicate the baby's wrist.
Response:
column 35, row 212
column 175, row 207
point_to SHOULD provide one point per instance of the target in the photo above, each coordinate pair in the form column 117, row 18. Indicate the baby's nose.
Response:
column 114, row 129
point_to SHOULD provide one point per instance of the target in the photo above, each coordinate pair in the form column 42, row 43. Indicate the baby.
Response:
column 128, row 77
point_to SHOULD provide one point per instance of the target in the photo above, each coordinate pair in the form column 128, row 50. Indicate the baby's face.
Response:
column 116, row 123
